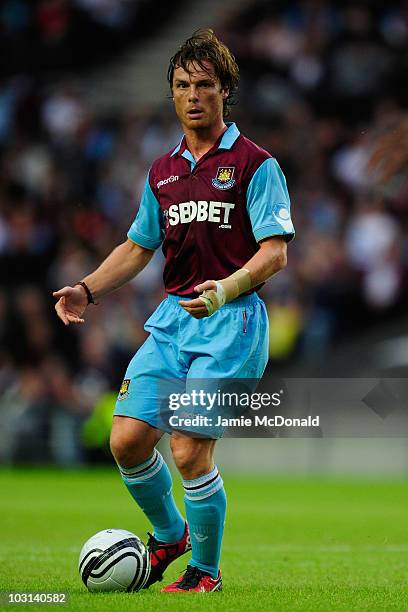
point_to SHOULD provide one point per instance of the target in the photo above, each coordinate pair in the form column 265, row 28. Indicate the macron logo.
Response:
column 200, row 538
column 170, row 179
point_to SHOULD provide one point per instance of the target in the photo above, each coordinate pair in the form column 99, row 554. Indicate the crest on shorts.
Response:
column 224, row 178
column 124, row 390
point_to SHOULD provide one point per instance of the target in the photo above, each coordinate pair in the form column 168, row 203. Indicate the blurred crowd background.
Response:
column 321, row 81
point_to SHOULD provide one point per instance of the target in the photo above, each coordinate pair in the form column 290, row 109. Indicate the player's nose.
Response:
column 192, row 94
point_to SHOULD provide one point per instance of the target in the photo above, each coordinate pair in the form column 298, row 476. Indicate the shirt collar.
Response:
column 229, row 136
column 227, row 140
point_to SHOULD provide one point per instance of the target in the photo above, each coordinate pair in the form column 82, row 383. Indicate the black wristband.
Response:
column 87, row 291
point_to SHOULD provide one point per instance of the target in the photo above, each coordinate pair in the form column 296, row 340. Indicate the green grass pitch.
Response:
column 290, row 544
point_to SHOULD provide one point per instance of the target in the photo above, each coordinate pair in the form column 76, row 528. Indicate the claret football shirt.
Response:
column 210, row 215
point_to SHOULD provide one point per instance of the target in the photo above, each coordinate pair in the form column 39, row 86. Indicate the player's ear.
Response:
column 224, row 92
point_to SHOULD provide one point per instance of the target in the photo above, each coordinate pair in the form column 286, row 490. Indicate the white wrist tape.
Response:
column 226, row 290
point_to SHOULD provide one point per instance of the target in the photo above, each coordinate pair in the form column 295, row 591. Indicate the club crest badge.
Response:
column 124, row 390
column 224, row 178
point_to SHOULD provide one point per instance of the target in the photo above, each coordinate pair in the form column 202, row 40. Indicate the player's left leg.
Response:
column 232, row 344
column 205, row 503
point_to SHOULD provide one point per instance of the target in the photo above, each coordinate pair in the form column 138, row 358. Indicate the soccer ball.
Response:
column 114, row 560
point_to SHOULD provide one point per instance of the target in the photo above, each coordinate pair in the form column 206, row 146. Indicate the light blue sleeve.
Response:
column 268, row 202
column 147, row 229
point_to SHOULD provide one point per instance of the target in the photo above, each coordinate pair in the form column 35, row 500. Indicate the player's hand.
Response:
column 71, row 305
column 196, row 308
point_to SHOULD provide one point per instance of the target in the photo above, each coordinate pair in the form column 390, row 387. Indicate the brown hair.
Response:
column 204, row 46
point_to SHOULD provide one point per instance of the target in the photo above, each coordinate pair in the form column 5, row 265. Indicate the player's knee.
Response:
column 129, row 450
column 120, row 448
column 132, row 442
column 185, row 460
column 283, row 260
column 191, row 459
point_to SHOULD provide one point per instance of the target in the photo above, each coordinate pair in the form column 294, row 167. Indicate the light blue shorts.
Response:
column 181, row 351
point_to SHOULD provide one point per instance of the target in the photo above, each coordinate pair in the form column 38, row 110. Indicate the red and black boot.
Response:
column 162, row 554
column 195, row 580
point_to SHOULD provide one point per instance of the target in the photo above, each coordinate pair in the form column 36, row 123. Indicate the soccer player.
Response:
column 218, row 206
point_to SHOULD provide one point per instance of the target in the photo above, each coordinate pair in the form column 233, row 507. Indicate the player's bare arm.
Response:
column 271, row 257
column 123, row 264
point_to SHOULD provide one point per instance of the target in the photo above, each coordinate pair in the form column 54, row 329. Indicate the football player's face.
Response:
column 198, row 96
